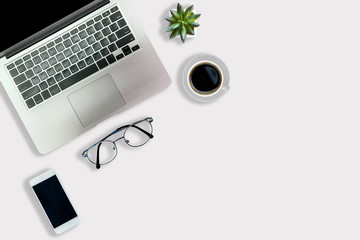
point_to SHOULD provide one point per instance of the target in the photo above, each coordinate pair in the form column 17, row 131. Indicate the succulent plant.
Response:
column 182, row 22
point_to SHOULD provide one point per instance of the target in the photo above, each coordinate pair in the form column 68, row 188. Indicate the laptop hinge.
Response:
column 68, row 21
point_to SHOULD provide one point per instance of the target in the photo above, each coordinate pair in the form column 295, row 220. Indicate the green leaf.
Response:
column 183, row 34
column 171, row 20
column 193, row 24
column 190, row 30
column 172, row 27
column 175, row 33
column 179, row 9
column 192, row 17
column 188, row 11
column 175, row 15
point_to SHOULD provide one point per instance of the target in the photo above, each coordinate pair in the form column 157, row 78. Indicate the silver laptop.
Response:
column 67, row 65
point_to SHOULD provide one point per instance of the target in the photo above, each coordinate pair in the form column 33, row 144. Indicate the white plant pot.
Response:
column 195, row 29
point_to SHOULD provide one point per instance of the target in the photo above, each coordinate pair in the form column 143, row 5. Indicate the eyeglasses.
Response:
column 134, row 135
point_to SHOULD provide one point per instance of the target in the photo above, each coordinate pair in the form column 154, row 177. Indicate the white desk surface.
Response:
column 277, row 157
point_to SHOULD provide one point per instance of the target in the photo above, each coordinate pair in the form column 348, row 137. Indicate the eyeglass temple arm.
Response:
column 145, row 132
column 98, row 156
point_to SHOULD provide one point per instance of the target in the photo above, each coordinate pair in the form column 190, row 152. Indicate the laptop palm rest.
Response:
column 96, row 100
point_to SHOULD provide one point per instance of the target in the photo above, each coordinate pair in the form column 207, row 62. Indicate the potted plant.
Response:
column 182, row 22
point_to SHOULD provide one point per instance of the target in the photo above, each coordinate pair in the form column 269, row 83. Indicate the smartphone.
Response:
column 54, row 201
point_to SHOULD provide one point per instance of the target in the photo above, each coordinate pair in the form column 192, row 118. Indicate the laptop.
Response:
column 68, row 65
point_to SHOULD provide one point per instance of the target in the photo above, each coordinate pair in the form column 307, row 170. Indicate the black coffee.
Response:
column 205, row 78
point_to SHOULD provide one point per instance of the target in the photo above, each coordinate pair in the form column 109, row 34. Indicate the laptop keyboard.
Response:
column 75, row 55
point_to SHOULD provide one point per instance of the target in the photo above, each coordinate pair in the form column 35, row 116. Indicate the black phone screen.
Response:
column 54, row 201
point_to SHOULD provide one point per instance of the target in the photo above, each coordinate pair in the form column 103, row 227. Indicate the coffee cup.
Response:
column 205, row 78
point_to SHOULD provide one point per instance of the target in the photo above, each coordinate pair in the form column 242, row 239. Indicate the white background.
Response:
column 277, row 157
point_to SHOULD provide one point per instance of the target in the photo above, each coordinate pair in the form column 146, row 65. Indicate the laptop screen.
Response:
column 29, row 17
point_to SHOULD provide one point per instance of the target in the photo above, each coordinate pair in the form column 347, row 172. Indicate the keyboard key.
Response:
column 105, row 14
column 106, row 22
column 43, row 85
column 21, row 68
column 125, row 40
column 58, row 77
column 60, row 47
column 112, row 47
column 81, row 64
column 96, row 46
column 114, row 27
column 44, row 65
column 89, row 51
column 29, row 64
column 10, row 66
column 60, row 57
column 66, row 73
column 58, row 67
column 83, row 44
column 134, row 48
column 34, row 53
column 122, row 32
column 50, row 72
column 98, row 36
column 121, row 23
column 90, row 30
column 116, row 16
column 52, row 51
column 75, row 39
column 112, row 38
column 98, row 26
column 26, row 58
column 14, row 72
column 89, row 60
column 67, row 52
column 82, row 27
column 106, row 31
column 45, row 94
column 52, row 61
column 104, row 42
column 37, row 69
column 35, row 80
column 104, row 52
column 51, row 81
column 19, row 61
column 43, row 48
column 82, row 34
column 31, row 92
column 90, row 40
column 91, row 22
column 114, row 9
column 38, row 99
column 97, row 56
column 120, row 56
column 30, row 103
column 75, row 48
column 43, row 76
column 73, row 59
column 67, row 43
column 44, row 56
column 37, row 60
column 54, row 90
column 102, row 63
column 66, row 63
column 58, row 40
column 74, row 69
column 111, row 59
column 25, row 86
column 81, row 55
column 29, row 73
column 77, row 77
column 19, row 79
column 50, row 45
column 73, row 32
column 66, row 36
column 98, row 18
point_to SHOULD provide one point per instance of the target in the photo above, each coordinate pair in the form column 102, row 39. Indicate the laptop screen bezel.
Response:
column 20, row 46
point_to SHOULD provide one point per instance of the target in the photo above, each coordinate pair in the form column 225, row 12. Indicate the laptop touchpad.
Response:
column 96, row 100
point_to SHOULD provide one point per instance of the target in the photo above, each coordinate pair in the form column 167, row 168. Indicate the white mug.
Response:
column 214, row 63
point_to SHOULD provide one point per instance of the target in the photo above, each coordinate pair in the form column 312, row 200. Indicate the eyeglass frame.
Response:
column 125, row 128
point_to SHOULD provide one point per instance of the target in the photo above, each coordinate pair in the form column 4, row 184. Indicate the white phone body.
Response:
column 54, row 201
